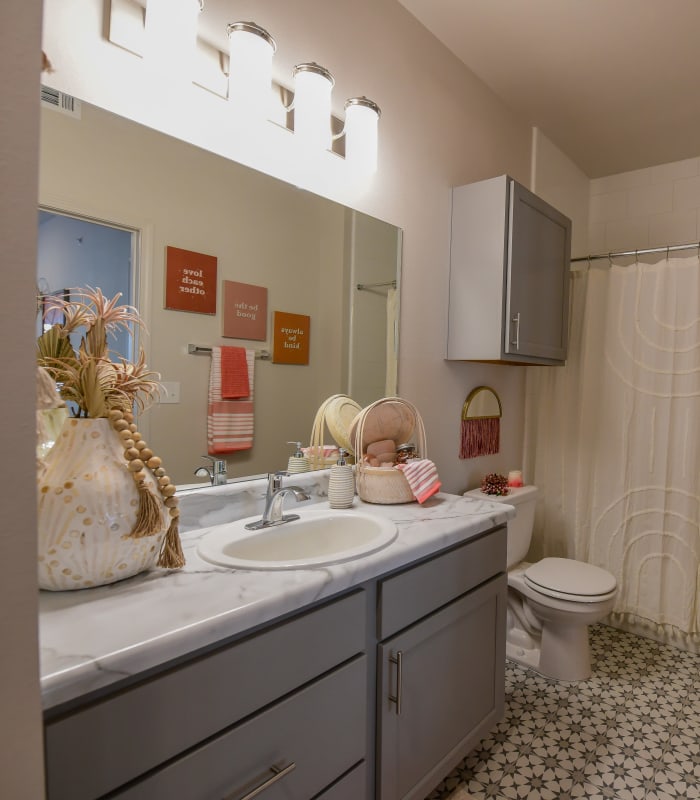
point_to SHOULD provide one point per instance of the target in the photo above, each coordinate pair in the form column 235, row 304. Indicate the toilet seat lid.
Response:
column 565, row 577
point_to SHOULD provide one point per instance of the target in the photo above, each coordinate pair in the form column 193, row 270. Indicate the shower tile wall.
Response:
column 650, row 207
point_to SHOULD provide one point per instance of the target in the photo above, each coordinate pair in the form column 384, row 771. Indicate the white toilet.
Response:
column 550, row 603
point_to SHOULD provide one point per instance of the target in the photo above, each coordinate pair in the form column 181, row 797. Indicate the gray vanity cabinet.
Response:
column 215, row 726
column 288, row 712
column 509, row 275
column 442, row 677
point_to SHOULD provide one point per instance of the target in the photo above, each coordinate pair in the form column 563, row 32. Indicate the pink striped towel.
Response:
column 229, row 422
column 422, row 477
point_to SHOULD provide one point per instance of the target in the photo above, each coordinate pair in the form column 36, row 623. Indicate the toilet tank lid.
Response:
column 571, row 577
column 515, row 495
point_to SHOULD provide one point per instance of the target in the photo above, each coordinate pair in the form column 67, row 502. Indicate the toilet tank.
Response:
column 524, row 499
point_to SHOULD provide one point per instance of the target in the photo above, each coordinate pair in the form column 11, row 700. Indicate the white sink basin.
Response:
column 316, row 539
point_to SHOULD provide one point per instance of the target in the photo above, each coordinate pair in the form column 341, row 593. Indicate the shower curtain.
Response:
column 613, row 440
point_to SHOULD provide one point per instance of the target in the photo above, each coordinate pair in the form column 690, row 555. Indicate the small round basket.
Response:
column 375, row 484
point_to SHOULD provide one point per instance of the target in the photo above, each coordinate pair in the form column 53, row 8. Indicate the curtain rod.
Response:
column 668, row 249
column 362, row 286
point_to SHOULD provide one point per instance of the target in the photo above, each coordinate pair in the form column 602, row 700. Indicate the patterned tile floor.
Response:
column 630, row 732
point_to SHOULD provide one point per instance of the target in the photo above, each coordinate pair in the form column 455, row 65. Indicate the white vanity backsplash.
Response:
column 204, row 506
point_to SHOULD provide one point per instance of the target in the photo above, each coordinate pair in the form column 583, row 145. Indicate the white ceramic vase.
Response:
column 87, row 507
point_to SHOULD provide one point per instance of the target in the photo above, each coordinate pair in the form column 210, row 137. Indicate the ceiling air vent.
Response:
column 59, row 101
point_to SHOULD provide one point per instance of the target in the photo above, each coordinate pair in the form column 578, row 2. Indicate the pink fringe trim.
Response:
column 480, row 437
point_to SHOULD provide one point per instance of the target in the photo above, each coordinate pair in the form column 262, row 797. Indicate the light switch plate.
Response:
column 171, row 392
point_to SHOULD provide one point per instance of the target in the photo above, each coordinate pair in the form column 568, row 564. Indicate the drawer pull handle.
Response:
column 399, row 678
column 278, row 774
column 516, row 322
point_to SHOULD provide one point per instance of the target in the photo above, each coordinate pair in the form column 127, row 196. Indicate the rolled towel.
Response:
column 422, row 477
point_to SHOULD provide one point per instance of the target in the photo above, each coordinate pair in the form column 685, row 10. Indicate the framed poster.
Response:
column 245, row 311
column 190, row 281
column 290, row 338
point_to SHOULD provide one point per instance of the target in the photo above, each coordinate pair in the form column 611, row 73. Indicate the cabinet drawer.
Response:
column 102, row 746
column 352, row 786
column 320, row 730
column 410, row 595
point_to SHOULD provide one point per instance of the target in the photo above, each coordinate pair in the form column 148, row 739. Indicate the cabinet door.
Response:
column 441, row 688
column 537, row 294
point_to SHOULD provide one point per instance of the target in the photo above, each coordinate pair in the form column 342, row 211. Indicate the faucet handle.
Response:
column 274, row 480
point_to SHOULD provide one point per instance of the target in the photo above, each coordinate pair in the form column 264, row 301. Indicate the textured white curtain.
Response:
column 613, row 440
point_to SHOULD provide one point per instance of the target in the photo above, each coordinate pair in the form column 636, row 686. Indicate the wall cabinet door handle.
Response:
column 278, row 774
column 396, row 698
column 516, row 322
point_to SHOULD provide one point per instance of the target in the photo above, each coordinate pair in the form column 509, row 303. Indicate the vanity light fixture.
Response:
column 251, row 49
column 361, row 133
column 312, row 105
column 171, row 36
column 170, row 48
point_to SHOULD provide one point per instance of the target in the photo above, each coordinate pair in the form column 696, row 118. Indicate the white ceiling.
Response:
column 614, row 83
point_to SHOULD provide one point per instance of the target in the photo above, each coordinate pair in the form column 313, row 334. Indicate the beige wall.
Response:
column 440, row 127
column 556, row 179
column 21, row 756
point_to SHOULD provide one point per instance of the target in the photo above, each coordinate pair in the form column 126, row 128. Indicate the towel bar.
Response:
column 199, row 350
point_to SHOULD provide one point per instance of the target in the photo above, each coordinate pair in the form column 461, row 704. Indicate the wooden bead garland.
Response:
column 139, row 457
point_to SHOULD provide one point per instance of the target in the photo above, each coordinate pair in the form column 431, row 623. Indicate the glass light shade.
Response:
column 250, row 68
column 171, row 36
column 312, row 105
column 361, row 133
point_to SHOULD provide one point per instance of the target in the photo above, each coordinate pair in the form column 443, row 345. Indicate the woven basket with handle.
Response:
column 375, row 484
column 326, row 418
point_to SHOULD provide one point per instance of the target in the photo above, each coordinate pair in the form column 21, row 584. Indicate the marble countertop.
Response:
column 92, row 638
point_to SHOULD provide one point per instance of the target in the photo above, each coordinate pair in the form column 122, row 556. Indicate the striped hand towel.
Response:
column 422, row 477
column 229, row 422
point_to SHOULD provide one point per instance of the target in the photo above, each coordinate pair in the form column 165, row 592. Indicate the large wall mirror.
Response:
column 310, row 253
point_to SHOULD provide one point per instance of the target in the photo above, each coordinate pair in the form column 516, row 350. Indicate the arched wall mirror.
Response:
column 310, row 253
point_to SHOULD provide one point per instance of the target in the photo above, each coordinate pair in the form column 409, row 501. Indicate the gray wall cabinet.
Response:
column 510, row 254
column 294, row 711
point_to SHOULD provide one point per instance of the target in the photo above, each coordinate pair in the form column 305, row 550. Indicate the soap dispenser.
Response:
column 341, row 484
column 298, row 462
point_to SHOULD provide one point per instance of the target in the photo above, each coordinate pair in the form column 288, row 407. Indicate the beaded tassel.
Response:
column 171, row 555
column 149, row 517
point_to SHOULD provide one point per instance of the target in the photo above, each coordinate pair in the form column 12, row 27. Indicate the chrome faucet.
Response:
column 274, row 500
column 216, row 473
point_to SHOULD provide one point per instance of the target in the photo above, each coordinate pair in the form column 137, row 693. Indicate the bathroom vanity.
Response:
column 370, row 678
